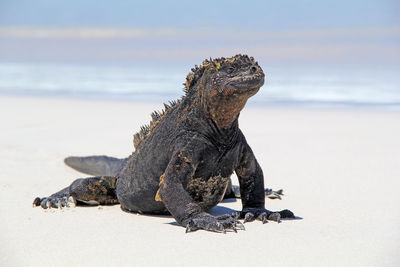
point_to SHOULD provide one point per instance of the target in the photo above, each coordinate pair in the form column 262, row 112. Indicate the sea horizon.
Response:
column 337, row 86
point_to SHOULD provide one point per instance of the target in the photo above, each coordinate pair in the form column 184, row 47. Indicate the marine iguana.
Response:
column 184, row 158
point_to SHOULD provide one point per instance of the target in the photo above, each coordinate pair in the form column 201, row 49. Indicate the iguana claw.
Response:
column 240, row 227
column 219, row 224
column 269, row 193
column 54, row 202
column 263, row 217
column 249, row 217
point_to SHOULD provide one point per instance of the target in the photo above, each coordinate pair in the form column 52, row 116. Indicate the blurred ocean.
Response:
column 285, row 85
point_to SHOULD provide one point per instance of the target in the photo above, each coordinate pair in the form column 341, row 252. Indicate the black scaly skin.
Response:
column 183, row 160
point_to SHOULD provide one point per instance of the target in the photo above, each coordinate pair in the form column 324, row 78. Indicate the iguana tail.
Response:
column 96, row 165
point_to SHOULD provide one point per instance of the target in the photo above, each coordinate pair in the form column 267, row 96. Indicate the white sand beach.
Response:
column 340, row 171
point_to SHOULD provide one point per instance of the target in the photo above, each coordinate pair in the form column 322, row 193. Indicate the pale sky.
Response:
column 295, row 30
column 258, row 14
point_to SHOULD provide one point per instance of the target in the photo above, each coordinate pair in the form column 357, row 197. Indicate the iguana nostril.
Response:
column 253, row 69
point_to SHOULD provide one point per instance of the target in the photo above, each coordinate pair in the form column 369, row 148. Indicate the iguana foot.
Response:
column 251, row 214
column 54, row 202
column 218, row 224
column 269, row 193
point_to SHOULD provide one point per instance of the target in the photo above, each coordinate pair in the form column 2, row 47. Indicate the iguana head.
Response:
column 238, row 74
column 223, row 86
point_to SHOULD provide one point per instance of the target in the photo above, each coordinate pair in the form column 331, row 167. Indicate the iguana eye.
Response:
column 230, row 69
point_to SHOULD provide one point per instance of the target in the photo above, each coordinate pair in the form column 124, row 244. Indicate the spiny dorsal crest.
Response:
column 156, row 117
column 214, row 64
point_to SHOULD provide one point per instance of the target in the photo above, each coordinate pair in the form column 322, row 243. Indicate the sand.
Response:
column 340, row 171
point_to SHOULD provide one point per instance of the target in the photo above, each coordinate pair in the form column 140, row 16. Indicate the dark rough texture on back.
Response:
column 184, row 158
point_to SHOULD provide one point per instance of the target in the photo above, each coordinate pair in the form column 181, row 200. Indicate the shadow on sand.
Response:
column 216, row 211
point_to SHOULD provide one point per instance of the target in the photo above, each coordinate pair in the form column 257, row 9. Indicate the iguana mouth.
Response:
column 247, row 82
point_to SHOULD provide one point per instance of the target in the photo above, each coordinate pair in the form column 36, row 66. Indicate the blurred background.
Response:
column 314, row 53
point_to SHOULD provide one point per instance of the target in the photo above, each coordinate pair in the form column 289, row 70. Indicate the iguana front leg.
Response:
column 182, row 207
column 251, row 180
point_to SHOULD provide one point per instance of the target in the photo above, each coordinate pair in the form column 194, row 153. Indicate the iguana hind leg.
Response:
column 93, row 190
